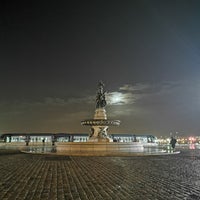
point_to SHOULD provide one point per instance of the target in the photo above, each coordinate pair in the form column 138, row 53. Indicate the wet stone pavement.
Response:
column 34, row 177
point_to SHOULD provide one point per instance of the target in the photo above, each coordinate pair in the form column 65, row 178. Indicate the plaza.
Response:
column 53, row 177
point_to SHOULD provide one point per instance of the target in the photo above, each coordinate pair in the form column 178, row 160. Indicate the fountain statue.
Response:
column 100, row 124
column 100, row 98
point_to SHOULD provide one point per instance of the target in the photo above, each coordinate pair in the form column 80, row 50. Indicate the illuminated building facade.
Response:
column 34, row 138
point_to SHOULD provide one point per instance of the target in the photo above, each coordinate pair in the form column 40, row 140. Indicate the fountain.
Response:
column 100, row 124
column 99, row 143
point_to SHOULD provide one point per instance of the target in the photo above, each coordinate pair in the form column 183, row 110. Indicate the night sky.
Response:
column 54, row 53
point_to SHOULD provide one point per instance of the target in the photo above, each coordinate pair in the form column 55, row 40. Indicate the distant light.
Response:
column 192, row 140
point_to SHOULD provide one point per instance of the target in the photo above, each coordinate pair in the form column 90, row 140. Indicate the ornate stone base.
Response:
column 99, row 133
column 99, row 126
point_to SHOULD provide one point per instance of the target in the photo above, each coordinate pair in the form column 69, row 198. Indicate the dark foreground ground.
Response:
column 27, row 176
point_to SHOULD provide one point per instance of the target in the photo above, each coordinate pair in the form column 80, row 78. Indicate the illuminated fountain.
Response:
column 99, row 143
column 100, row 124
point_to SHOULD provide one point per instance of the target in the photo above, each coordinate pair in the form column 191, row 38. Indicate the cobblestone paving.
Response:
column 35, row 177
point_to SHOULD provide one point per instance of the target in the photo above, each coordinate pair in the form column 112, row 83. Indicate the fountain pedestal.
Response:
column 99, row 133
column 99, row 126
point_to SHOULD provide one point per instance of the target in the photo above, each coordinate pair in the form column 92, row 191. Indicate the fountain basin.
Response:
column 98, row 148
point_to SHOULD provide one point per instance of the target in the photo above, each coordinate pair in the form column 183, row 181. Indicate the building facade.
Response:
column 34, row 138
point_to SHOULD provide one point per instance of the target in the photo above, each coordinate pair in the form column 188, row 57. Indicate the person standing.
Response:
column 173, row 143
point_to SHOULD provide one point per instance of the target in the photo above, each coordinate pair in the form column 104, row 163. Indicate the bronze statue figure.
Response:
column 100, row 98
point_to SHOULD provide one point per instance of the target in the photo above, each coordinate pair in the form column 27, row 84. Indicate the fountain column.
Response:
column 99, row 132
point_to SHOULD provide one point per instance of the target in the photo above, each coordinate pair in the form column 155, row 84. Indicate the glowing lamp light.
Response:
column 192, row 140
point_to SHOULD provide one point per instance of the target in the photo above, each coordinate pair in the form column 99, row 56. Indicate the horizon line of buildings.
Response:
column 73, row 137
column 83, row 137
